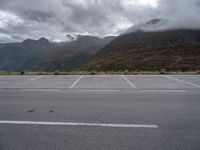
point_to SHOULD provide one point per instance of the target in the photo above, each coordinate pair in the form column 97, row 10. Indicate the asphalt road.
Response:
column 99, row 112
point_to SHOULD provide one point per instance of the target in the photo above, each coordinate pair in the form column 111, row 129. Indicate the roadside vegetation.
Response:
column 99, row 73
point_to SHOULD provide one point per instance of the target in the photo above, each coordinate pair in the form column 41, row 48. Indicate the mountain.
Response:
column 20, row 56
column 72, row 54
column 174, row 50
column 157, row 24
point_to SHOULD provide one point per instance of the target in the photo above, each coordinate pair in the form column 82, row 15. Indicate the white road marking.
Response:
column 186, row 82
column 162, row 91
column 79, row 124
column 102, row 75
column 41, row 90
column 143, row 75
column 76, row 81
column 99, row 90
column 129, row 82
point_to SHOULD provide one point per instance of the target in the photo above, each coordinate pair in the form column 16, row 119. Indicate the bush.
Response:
column 56, row 73
column 93, row 72
column 22, row 73
column 163, row 71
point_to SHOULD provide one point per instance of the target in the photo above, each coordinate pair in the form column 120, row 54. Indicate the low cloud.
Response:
column 53, row 19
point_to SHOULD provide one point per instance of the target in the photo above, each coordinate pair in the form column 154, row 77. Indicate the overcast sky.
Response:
column 53, row 19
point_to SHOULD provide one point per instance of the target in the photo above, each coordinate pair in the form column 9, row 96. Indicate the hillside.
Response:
column 42, row 55
column 72, row 55
column 175, row 50
column 20, row 56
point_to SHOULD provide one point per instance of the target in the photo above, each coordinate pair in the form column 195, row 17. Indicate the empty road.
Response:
column 100, row 112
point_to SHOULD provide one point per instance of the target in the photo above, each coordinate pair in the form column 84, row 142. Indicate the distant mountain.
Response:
column 72, row 54
column 157, row 24
column 175, row 50
column 20, row 56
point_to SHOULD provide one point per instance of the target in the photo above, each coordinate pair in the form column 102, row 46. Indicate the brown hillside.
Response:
column 177, row 50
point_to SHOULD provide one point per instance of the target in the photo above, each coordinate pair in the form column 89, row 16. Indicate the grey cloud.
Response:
column 53, row 19
column 182, row 13
column 38, row 16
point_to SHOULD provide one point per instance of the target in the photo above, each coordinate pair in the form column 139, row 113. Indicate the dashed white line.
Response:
column 181, row 91
column 76, row 81
column 40, row 90
column 186, row 82
column 129, row 82
column 79, row 124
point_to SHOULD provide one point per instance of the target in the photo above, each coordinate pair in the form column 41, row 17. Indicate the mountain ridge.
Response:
column 19, row 56
column 150, row 51
column 72, row 55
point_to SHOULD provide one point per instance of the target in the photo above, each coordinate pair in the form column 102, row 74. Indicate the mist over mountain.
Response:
column 152, row 34
column 150, row 46
column 157, row 24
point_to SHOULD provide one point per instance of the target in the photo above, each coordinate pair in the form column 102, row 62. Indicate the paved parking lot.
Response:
column 119, row 82
column 100, row 112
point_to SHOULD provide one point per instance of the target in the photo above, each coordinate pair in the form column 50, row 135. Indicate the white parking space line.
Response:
column 186, row 82
column 76, row 81
column 79, row 124
column 129, row 82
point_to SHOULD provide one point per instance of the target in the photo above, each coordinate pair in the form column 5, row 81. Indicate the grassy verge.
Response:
column 97, row 73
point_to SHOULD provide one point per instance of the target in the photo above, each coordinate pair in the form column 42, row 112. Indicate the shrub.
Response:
column 22, row 73
column 56, row 73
